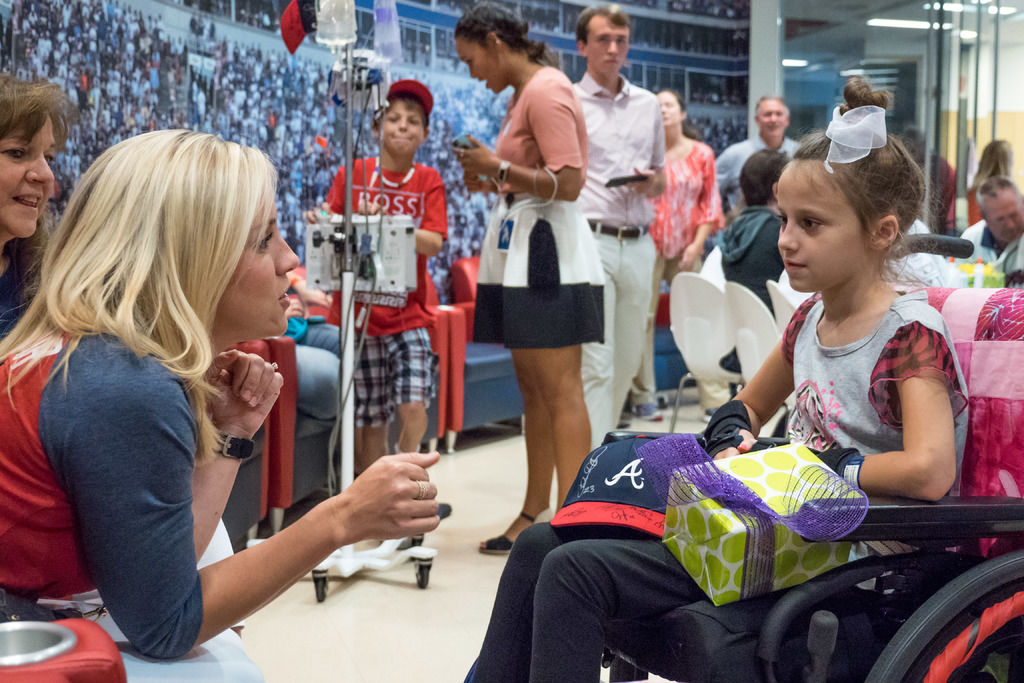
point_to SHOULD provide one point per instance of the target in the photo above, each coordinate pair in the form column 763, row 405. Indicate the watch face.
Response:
column 236, row 447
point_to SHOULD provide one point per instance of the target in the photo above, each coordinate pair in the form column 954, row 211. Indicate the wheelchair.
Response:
column 950, row 610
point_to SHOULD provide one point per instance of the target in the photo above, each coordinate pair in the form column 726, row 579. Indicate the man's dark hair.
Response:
column 760, row 174
column 613, row 13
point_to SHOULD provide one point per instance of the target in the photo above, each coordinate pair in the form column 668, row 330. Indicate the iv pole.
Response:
column 388, row 554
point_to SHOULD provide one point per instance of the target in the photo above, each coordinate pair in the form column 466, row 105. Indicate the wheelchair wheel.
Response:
column 973, row 626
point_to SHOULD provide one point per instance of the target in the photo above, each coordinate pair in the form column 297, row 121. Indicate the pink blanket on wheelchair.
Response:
column 987, row 326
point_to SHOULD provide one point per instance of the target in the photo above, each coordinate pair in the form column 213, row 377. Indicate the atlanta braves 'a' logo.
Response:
column 633, row 471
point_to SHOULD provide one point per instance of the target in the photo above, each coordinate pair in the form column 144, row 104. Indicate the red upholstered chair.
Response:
column 482, row 386
column 94, row 658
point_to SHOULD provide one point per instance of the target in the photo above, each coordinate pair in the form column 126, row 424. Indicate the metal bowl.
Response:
column 28, row 642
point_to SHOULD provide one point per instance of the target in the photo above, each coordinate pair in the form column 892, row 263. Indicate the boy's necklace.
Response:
column 377, row 171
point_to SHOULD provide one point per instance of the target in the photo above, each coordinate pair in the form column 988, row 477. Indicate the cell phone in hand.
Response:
column 625, row 180
column 463, row 142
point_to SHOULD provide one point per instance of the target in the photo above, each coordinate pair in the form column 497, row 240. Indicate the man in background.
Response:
column 1002, row 211
column 772, row 118
column 626, row 138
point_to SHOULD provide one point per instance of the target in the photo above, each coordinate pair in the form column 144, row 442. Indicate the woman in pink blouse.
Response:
column 687, row 212
column 540, row 285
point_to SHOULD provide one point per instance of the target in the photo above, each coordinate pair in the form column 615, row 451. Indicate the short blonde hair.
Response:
column 145, row 250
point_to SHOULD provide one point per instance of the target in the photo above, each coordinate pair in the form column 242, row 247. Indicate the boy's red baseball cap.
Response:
column 414, row 89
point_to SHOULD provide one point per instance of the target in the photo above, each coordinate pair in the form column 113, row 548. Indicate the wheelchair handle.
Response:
column 940, row 245
column 821, row 642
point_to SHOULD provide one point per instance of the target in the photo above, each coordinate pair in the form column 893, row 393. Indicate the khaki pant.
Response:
column 608, row 368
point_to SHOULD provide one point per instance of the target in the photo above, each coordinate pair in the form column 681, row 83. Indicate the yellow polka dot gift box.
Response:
column 760, row 521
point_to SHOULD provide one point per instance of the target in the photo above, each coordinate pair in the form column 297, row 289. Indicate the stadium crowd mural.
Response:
column 130, row 71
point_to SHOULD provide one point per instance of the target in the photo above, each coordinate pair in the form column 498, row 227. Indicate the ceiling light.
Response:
column 794, row 62
column 968, row 35
column 898, row 23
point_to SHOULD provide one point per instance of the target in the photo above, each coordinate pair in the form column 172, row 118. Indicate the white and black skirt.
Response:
column 541, row 281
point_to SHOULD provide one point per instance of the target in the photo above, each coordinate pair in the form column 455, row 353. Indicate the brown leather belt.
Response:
column 620, row 232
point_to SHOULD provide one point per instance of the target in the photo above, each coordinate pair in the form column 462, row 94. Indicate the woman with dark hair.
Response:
column 35, row 118
column 540, row 286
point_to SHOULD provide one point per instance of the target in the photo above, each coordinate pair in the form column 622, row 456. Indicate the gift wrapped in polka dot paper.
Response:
column 741, row 526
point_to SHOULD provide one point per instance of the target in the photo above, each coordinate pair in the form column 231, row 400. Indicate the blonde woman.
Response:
column 125, row 416
column 35, row 118
column 996, row 159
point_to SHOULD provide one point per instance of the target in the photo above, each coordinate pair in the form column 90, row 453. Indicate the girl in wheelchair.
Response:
column 880, row 398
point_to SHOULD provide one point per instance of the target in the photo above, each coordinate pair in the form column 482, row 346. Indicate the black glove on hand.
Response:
column 723, row 429
column 845, row 462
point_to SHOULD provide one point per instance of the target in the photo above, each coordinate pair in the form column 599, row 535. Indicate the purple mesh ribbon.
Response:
column 822, row 506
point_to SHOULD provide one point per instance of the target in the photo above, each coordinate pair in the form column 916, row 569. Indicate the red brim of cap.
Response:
column 291, row 27
column 615, row 514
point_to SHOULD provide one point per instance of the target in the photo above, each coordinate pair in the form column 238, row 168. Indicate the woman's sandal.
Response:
column 501, row 545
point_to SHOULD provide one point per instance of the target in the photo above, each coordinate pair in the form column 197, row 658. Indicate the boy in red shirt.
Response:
column 395, row 370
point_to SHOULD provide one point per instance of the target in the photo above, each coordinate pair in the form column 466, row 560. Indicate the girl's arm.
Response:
column 763, row 396
column 926, row 467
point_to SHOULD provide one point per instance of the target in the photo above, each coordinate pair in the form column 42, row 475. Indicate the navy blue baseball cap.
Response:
column 611, row 488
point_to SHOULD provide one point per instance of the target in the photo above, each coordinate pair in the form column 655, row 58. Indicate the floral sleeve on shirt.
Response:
column 796, row 323
column 914, row 349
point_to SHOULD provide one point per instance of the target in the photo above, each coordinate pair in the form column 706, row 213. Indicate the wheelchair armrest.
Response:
column 952, row 517
column 622, row 435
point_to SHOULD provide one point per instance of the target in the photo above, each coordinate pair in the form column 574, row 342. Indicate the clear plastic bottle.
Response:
column 955, row 276
column 336, row 22
column 387, row 41
column 979, row 273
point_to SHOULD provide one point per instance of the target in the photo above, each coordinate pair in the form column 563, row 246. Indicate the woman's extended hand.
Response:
column 247, row 388
column 388, row 501
column 748, row 442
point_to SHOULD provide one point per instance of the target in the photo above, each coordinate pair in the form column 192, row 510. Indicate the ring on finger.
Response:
column 274, row 365
column 424, row 489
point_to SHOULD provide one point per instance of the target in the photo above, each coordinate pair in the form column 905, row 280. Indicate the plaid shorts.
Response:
column 393, row 369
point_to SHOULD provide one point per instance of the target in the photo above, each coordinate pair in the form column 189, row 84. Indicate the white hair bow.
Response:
column 854, row 134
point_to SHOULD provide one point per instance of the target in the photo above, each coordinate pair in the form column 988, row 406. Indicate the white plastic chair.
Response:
column 701, row 330
column 784, row 307
column 756, row 333
column 712, row 270
column 754, row 326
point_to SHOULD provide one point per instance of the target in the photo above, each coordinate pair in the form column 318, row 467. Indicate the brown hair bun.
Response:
column 859, row 93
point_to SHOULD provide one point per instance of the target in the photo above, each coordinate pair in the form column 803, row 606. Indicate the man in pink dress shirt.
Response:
column 626, row 137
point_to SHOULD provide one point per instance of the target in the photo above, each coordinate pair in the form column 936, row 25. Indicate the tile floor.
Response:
column 379, row 627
